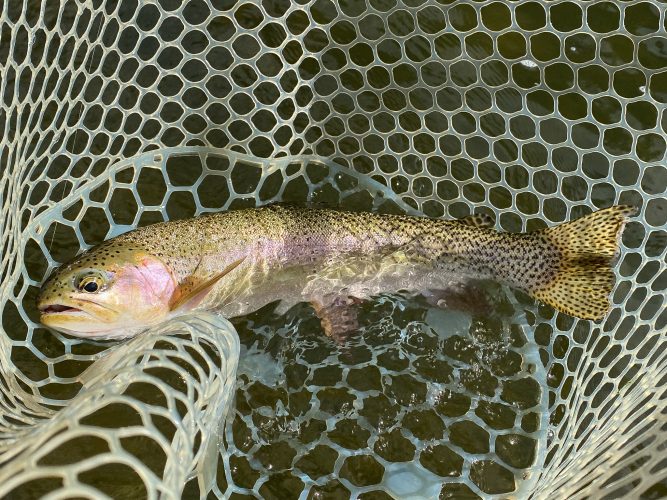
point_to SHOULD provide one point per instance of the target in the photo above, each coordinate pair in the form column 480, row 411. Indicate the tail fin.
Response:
column 587, row 247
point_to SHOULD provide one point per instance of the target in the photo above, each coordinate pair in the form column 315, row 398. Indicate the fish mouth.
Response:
column 85, row 306
column 57, row 309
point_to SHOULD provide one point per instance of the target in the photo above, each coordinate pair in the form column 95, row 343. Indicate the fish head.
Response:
column 107, row 293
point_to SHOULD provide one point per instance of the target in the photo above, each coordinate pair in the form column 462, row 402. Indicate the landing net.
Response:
column 119, row 114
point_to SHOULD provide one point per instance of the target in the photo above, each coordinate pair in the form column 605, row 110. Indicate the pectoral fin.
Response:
column 191, row 298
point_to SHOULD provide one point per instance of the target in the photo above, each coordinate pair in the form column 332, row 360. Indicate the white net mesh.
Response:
column 115, row 115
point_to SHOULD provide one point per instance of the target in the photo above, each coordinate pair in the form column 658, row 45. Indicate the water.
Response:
column 416, row 383
column 432, row 392
column 443, row 388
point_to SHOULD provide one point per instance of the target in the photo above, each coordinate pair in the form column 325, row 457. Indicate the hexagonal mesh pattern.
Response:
column 116, row 115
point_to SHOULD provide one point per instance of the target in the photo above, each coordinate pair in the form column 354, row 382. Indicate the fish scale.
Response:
column 237, row 261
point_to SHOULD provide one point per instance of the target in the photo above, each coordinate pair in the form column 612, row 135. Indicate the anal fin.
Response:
column 465, row 297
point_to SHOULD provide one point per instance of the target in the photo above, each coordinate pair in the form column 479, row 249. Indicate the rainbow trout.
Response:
column 238, row 261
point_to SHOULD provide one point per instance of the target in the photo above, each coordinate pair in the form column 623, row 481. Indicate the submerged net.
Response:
column 116, row 115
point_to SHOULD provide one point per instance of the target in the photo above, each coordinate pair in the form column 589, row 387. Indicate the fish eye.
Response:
column 90, row 283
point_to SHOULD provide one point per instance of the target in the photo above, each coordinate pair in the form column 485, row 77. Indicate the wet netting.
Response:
column 119, row 114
